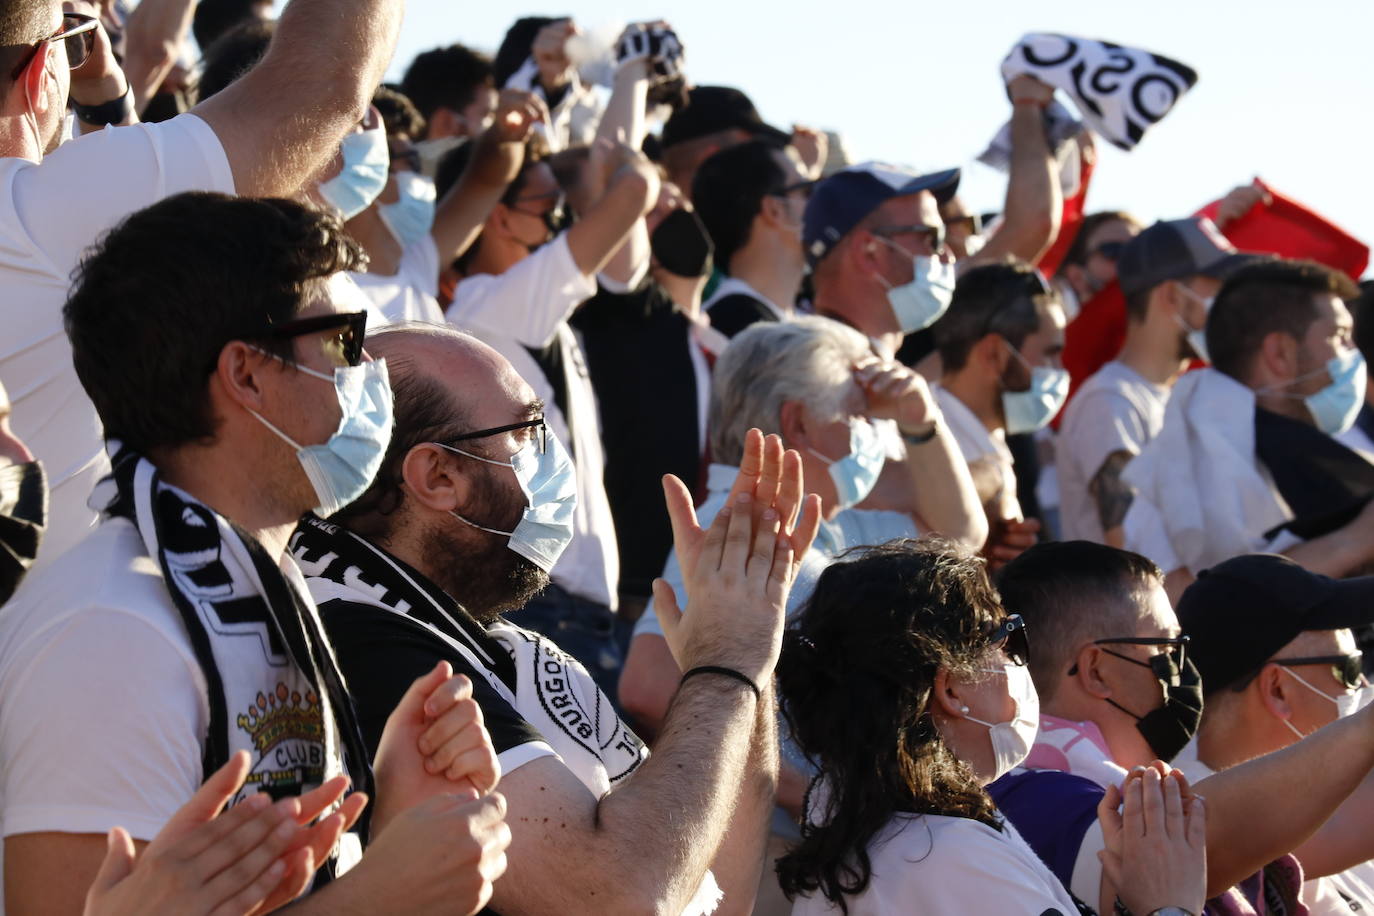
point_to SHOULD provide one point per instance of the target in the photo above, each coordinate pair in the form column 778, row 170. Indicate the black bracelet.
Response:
column 727, row 672
column 921, row 438
column 115, row 111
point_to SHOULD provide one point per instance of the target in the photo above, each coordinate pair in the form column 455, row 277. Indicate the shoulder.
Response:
column 1052, row 811
column 733, row 313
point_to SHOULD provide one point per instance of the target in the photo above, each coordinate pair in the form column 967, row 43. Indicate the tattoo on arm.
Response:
column 1113, row 495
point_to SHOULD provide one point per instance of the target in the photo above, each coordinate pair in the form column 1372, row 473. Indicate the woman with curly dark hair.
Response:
column 905, row 682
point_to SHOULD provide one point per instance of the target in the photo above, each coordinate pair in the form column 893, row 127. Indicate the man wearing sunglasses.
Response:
column 1279, row 661
column 313, row 84
column 1119, row 689
column 1169, row 274
column 751, row 198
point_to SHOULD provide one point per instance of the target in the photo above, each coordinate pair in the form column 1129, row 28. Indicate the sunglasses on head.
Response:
column 1348, row 669
column 77, row 31
column 1166, row 666
column 347, row 344
column 1010, row 637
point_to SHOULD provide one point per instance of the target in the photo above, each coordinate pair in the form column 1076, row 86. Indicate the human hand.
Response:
column 100, row 78
column 435, row 732
column 1239, row 201
column 812, row 146
column 550, row 52
column 1156, row 845
column 1008, row 539
column 206, row 862
column 517, row 111
column 438, row 857
column 738, row 572
column 1026, row 88
column 894, row 392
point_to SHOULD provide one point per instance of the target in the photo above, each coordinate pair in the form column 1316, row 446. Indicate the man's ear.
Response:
column 1278, row 355
column 429, row 474
column 34, row 79
column 794, row 422
column 1272, row 690
column 1088, row 672
column 498, row 222
column 239, row 374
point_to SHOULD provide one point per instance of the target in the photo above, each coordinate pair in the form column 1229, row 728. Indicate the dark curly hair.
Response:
column 154, row 302
column 855, row 679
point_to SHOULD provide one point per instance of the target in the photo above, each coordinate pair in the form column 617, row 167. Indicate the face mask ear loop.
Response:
column 40, row 60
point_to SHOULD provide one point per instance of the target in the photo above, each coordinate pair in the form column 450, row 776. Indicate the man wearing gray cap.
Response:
column 1273, row 643
column 1168, row 275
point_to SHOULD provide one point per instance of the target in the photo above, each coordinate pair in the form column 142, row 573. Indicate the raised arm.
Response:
column 631, row 189
column 152, row 42
column 283, row 120
column 1030, row 218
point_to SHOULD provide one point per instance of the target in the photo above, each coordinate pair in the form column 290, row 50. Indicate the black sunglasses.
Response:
column 1167, row 666
column 806, row 187
column 541, row 432
column 77, row 31
column 349, row 341
column 935, row 235
column 1109, row 250
column 1348, row 669
column 1010, row 637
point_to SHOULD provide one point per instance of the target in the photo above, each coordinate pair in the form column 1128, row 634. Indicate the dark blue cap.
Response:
column 842, row 200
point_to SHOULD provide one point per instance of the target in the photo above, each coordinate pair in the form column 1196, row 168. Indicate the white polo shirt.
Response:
column 528, row 307
column 50, row 212
column 410, row 293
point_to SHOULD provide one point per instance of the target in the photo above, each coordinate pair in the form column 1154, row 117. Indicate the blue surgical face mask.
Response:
column 855, row 474
column 1197, row 337
column 1029, row 410
column 920, row 303
column 342, row 468
column 364, row 173
column 1335, row 407
column 412, row 216
column 550, row 486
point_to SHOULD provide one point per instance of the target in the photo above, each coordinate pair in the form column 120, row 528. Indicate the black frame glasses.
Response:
column 1167, row 666
column 541, row 437
column 79, row 33
column 934, row 234
column 1348, row 669
column 353, row 327
column 808, row 185
column 1010, row 637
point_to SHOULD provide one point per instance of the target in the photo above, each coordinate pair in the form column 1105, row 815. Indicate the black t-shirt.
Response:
column 735, row 312
column 1323, row 482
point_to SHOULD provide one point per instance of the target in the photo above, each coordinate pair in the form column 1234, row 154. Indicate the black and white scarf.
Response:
column 274, row 687
column 1120, row 91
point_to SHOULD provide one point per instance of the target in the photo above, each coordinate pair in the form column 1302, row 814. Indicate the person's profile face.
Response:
column 1329, row 335
column 1100, row 265
column 478, row 113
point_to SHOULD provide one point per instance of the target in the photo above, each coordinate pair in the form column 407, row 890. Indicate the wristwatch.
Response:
column 115, row 111
column 921, row 437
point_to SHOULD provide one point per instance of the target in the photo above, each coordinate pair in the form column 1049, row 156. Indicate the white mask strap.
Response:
column 499, row 464
column 264, row 421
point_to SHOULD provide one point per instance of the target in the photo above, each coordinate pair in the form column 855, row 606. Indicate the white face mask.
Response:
column 1012, row 741
column 1197, row 337
column 1346, row 703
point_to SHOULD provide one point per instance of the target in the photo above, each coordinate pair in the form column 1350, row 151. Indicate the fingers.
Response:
column 1152, row 799
column 1132, row 813
column 807, row 526
column 760, row 564
column 1109, row 815
column 750, row 465
column 321, row 799
column 412, row 705
column 1173, row 808
column 766, row 490
column 791, row 490
column 665, row 606
column 781, row 573
column 249, row 898
column 300, row 869
column 192, row 843
column 734, row 555
column 208, row 801
column 1111, row 866
column 118, row 862
column 452, row 692
column 220, row 844
column 682, row 516
column 1197, row 823
column 247, row 854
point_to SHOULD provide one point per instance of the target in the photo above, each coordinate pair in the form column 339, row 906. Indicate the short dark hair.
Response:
column 423, row 411
column 158, row 297
column 22, row 22
column 446, row 78
column 515, row 47
column 1006, row 299
column 1362, row 310
column 1260, row 299
column 1078, row 252
column 232, row 55
column 398, row 113
column 1072, row 592
column 728, row 192
column 214, row 18
column 856, row 679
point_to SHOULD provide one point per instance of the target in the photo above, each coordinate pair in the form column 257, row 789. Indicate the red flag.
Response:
column 1290, row 230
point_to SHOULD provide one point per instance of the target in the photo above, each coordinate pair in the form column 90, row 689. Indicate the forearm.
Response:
column 153, row 39
column 624, row 120
column 740, row 861
column 1031, row 214
column 1345, row 840
column 459, row 217
column 596, row 237
column 1337, row 554
column 1242, row 837
column 946, row 498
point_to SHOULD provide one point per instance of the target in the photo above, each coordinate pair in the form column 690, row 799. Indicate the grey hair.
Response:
column 807, row 359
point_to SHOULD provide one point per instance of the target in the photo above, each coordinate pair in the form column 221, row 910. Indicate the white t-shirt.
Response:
column 528, row 306
column 409, row 294
column 1116, row 410
column 50, row 213
column 985, row 450
column 931, row 864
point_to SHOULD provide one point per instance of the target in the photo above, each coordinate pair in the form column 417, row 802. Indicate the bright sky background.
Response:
column 1285, row 91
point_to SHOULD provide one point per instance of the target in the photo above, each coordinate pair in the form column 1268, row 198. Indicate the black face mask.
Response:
column 681, row 245
column 23, row 514
column 1169, row 728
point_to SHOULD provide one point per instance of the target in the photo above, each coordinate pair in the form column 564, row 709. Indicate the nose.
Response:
column 12, row 448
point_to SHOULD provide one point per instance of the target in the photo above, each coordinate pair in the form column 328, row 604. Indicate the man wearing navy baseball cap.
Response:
column 876, row 245
column 1278, row 659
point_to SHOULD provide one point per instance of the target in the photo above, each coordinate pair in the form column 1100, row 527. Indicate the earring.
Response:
column 964, row 710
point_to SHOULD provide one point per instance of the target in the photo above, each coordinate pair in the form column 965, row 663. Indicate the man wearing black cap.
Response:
column 714, row 118
column 1273, row 643
column 1168, row 275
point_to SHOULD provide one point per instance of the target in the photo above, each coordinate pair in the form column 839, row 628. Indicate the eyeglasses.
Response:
column 347, row 344
column 77, row 31
column 1167, row 666
column 935, row 235
column 1348, row 669
column 1010, row 637
column 553, row 217
column 1109, row 250
column 972, row 222
column 541, row 433
column 806, row 187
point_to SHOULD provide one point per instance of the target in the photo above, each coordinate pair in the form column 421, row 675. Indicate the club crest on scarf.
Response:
column 1120, row 91
column 287, row 729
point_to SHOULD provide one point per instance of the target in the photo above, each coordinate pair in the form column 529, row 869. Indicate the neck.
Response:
column 685, row 292
column 17, row 139
column 1223, row 743
column 220, row 478
column 985, row 401
column 862, row 305
column 773, row 269
column 1153, row 353
column 493, row 257
column 1291, row 407
column 383, row 250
